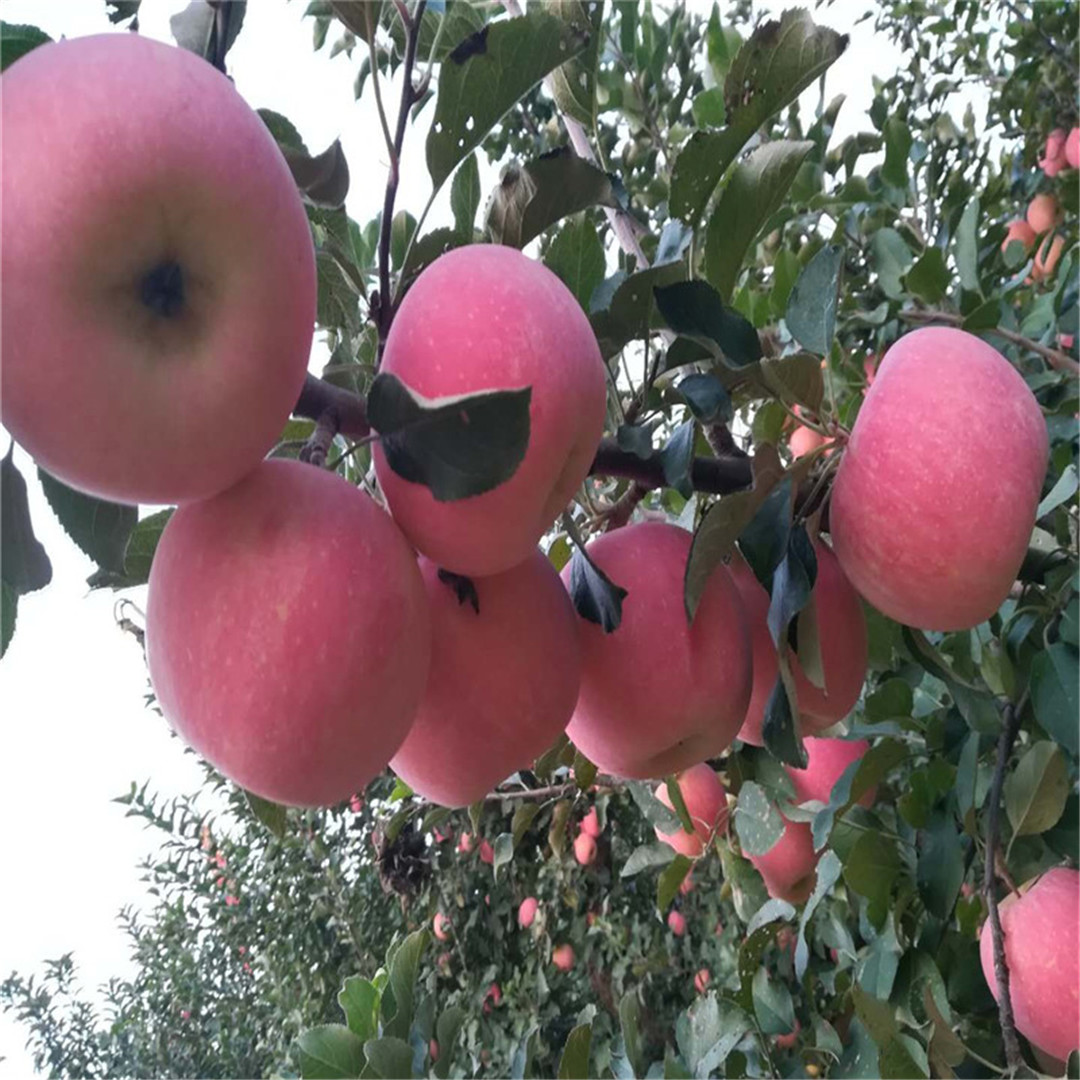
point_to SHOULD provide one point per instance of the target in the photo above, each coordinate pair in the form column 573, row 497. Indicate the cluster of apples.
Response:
column 1042, row 217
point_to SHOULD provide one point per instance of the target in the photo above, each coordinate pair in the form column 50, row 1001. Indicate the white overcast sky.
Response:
column 74, row 733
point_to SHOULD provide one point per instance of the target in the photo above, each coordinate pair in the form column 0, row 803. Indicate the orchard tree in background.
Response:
column 781, row 778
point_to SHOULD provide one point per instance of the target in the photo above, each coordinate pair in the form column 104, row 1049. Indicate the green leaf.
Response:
column 780, row 727
column 269, row 814
column 557, row 831
column 596, row 598
column 1061, row 492
column 897, row 148
column 531, row 199
column 359, row 1001
column 630, row 1025
column 854, row 782
column 764, row 541
column 646, row 857
column 792, row 584
column 1055, row 696
column 485, row 75
column 449, row 1024
column 1035, row 792
column 757, row 821
column 576, row 257
column 24, row 566
column 574, row 1061
column 521, row 1063
column 456, row 446
column 403, row 967
column 523, row 817
column 465, row 196
column 573, row 84
column 966, row 247
column 389, row 1057
column 772, row 1004
column 677, row 456
column 708, row 108
column 928, row 279
column 9, row 609
column 707, row 398
column 778, row 62
column 504, row 852
column 756, row 190
column 827, row 875
column 100, row 529
column 324, row 178
column 811, row 307
column 871, row 866
column 668, row 883
column 329, row 1052
column 795, row 378
column 708, row 1032
column 892, row 700
column 694, row 308
column 17, row 40
column 626, row 312
column 424, row 252
column 749, row 962
column 653, row 810
column 891, row 257
column 141, row 545
column 940, row 870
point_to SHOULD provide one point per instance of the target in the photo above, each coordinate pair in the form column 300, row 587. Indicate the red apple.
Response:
column 585, row 849
column 841, row 631
column 158, row 269
column 487, row 853
column 786, row 1042
column 702, row 980
column 503, row 682
column 465, row 843
column 562, row 956
column 687, row 885
column 1021, row 232
column 1072, row 148
column 706, row 803
column 803, row 439
column 1047, row 257
column 440, row 927
column 590, row 823
column 433, row 1049
column 676, row 923
column 1042, row 944
column 935, row 499
column 1053, row 159
column 527, row 912
column 486, row 317
column 659, row 694
column 1043, row 213
column 288, row 633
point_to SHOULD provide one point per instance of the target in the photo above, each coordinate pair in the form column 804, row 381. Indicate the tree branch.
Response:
column 1010, row 726
column 1054, row 357
column 552, row 791
column 318, row 397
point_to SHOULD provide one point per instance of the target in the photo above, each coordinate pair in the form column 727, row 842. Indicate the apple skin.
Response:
column 788, row 867
column 676, row 923
column 935, row 498
column 590, row 824
column 585, row 849
column 486, row 317
column 288, row 633
column 1053, row 159
column 121, row 157
column 1043, row 213
column 706, row 802
column 659, row 695
column 502, row 685
column 1072, row 148
column 701, row 980
column 1019, row 230
column 440, row 927
column 1042, row 943
column 841, row 636
column 562, row 956
column 527, row 912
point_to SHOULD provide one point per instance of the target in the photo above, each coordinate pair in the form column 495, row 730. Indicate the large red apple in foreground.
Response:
column 288, row 634
column 788, row 867
column 158, row 269
column 1042, row 944
column 502, row 686
column 486, row 317
column 706, row 803
column 659, row 694
column 841, row 631
column 935, row 499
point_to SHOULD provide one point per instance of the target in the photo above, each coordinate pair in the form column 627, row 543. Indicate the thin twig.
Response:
column 552, row 791
column 1009, row 727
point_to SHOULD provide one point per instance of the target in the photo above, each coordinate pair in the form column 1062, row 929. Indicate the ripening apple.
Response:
column 487, row 853
column 562, row 956
column 804, row 439
column 1043, row 213
column 676, row 923
column 440, row 927
column 706, row 803
column 1042, row 943
column 158, row 269
column 841, row 632
column 1053, row 159
column 659, row 694
column 584, row 849
column 788, row 867
column 701, row 980
column 786, row 1042
column 1072, row 148
column 1047, row 257
column 288, row 633
column 527, row 912
column 935, row 500
column 590, row 824
column 503, row 682
column 487, row 317
column 1019, row 231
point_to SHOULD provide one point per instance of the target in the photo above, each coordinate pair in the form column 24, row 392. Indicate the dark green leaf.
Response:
column 928, row 279
column 646, row 857
column 9, row 609
column 324, row 178
column 465, row 196
column 628, row 314
column 811, row 308
column 596, row 597
column 1055, row 696
column 403, row 966
column 269, row 814
column 17, row 40
column 576, row 257
column 827, row 875
column 630, row 1025
column 450, row 1023
column 795, row 378
column 892, row 700
column 764, row 541
column 708, row 1032
column 574, row 1062
column 707, row 397
column 696, row 309
column 779, row 728
column 329, row 1052
column 897, row 147
column 667, row 885
column 100, row 529
column 457, row 447
column 872, row 865
column 772, row 1004
column 141, row 545
column 966, row 247
column 197, row 28
column 941, row 865
column 1035, row 792
column 1061, row 492
column 389, row 1057
column 891, row 258
column 523, row 817
column 636, row 438
column 749, row 962
column 757, row 821
column 24, row 566
column 792, row 583
column 655, row 812
column 677, row 456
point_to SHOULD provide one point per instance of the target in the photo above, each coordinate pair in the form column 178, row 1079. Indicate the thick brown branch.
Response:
column 1010, row 726
column 715, row 476
column 1054, row 357
column 319, row 397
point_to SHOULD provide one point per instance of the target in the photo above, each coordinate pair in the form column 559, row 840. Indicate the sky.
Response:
column 75, row 733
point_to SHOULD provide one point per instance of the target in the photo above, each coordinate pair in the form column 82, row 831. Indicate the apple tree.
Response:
column 780, row 779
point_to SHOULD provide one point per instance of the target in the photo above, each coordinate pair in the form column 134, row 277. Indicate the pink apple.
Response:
column 687, row 885
column 1053, row 159
column 1042, row 944
column 288, row 633
column 786, row 1042
column 1047, row 257
column 562, row 956
column 486, row 317
column 433, row 1049
column 590, row 824
column 1072, row 148
column 503, row 682
column 585, row 849
column 440, row 927
column 1043, row 213
column 527, row 912
column 803, row 439
column 935, row 499
column 158, row 269
column 841, row 632
column 702, row 980
column 487, row 853
column 706, row 803
column 676, row 923
column 1019, row 231
column 659, row 694
column 465, row 843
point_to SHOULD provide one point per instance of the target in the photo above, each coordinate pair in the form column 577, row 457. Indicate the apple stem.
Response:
column 1009, row 728
column 322, row 438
